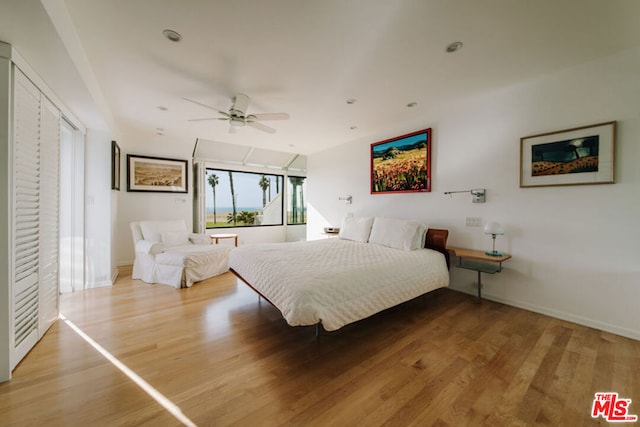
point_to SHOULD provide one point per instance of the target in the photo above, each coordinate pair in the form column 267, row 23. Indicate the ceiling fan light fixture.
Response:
column 236, row 121
column 171, row 35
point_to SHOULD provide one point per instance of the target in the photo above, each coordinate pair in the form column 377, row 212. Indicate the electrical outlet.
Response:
column 473, row 221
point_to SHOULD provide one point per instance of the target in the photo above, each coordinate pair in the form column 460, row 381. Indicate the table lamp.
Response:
column 494, row 229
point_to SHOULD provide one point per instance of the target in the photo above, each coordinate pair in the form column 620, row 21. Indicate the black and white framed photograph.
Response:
column 156, row 174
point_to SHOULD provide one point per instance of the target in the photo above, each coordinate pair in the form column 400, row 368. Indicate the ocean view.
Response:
column 229, row 209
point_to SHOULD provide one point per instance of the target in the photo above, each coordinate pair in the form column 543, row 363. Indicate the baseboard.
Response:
column 99, row 284
column 602, row 326
column 114, row 276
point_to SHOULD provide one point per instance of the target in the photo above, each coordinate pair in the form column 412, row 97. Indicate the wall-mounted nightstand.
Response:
column 328, row 234
column 479, row 261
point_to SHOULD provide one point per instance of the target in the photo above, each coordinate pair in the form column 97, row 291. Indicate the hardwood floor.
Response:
column 222, row 358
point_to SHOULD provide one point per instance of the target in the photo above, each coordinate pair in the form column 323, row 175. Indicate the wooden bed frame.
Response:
column 436, row 239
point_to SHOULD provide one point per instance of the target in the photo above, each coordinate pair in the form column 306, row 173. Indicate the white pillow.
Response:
column 200, row 239
column 175, row 238
column 356, row 229
column 398, row 233
column 152, row 230
column 149, row 247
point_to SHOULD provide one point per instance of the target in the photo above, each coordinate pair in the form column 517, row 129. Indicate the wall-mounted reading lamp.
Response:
column 347, row 199
column 479, row 194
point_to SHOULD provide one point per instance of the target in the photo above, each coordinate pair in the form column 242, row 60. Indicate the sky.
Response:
column 402, row 141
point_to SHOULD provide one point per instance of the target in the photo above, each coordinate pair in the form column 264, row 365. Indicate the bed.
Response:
column 333, row 282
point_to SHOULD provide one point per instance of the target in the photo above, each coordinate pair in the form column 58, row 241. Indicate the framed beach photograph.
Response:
column 578, row 156
column 402, row 164
column 156, row 174
column 115, row 166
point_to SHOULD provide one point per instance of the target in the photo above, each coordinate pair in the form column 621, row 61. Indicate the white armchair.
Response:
column 167, row 253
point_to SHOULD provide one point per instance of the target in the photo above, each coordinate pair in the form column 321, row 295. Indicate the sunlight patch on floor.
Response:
column 148, row 388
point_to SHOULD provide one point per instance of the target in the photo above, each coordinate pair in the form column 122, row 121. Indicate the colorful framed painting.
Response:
column 402, row 164
column 156, row 174
column 578, row 156
column 115, row 166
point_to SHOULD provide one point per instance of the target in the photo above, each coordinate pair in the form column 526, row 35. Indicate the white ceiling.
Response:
column 302, row 57
column 236, row 155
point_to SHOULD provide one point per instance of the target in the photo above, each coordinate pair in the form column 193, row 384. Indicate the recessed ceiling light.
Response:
column 172, row 35
column 351, row 101
column 452, row 47
column 412, row 104
column 162, row 108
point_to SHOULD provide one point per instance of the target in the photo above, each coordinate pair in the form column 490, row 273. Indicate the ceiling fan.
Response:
column 237, row 115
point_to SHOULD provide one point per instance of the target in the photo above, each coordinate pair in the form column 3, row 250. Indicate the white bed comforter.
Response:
column 337, row 281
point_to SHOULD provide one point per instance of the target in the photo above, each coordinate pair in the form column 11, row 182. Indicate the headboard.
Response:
column 437, row 240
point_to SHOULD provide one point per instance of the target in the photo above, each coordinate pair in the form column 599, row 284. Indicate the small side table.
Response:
column 216, row 237
column 479, row 261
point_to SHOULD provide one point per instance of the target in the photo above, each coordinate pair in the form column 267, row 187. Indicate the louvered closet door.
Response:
column 26, row 211
column 49, row 214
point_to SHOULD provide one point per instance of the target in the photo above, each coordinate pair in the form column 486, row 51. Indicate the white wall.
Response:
column 99, row 212
column 114, row 235
column 575, row 248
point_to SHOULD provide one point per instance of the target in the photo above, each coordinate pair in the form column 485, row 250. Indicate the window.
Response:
column 242, row 199
column 297, row 209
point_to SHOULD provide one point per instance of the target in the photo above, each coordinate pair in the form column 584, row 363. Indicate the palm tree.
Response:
column 264, row 184
column 590, row 144
column 246, row 217
column 572, row 149
column 295, row 183
column 233, row 198
column 213, row 181
column 302, row 212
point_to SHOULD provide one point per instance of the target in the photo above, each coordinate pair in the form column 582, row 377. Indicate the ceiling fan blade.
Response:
column 206, row 118
column 260, row 126
column 268, row 116
column 224, row 113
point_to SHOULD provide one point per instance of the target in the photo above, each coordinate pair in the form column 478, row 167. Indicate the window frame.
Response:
column 231, row 226
column 289, row 176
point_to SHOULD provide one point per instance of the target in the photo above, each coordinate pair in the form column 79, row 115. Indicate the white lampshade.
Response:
column 493, row 228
